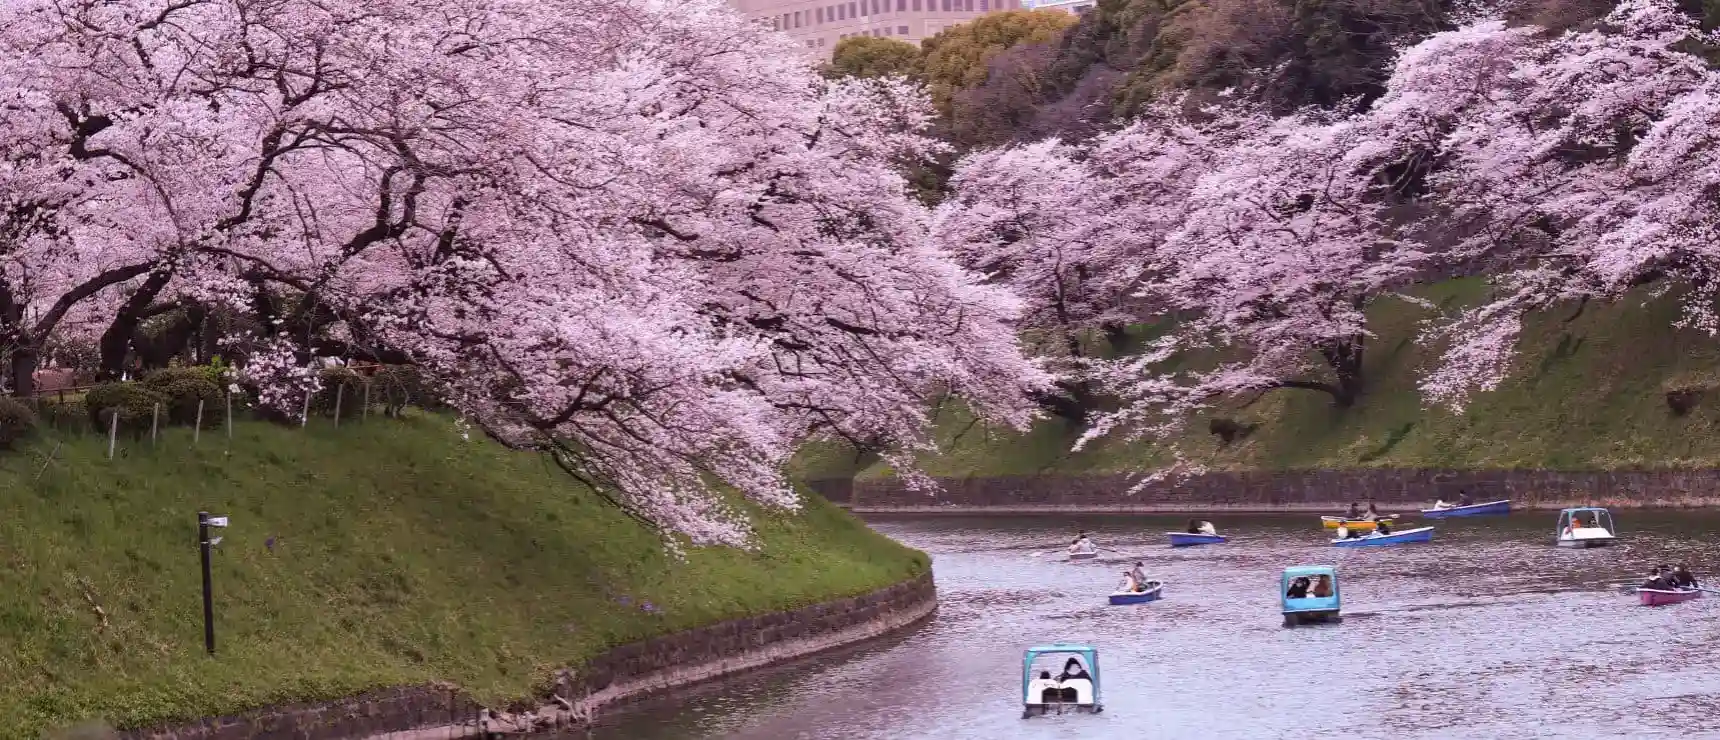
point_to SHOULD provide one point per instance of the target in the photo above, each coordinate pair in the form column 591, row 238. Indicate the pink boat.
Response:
column 1657, row 597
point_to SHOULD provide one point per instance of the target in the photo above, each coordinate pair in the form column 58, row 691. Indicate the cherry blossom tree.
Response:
column 1587, row 172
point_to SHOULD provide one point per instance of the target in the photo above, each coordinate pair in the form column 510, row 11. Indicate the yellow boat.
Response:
column 1360, row 525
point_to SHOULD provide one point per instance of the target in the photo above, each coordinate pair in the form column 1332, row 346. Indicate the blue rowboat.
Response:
column 1154, row 589
column 1419, row 534
column 1491, row 508
column 1185, row 539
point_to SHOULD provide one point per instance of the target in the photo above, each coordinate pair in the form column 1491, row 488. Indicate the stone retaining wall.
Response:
column 1293, row 491
column 624, row 674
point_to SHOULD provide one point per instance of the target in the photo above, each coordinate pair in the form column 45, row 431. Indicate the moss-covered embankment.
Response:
column 388, row 553
column 1588, row 414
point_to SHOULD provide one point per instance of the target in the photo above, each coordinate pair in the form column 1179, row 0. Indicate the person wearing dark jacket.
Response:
column 1683, row 578
column 1073, row 670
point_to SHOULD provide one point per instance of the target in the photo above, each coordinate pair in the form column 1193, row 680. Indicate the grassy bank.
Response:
column 1586, row 393
column 401, row 554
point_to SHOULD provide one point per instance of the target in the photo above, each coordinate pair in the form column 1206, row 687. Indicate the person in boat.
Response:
column 1657, row 580
column 1073, row 670
column 1464, row 499
column 1683, row 578
column 1206, row 528
column 1298, row 588
column 1373, row 514
column 1322, row 587
column 1440, row 504
column 1130, row 584
column 1194, row 526
column 1383, row 528
column 1355, row 511
column 1139, row 574
column 1082, row 544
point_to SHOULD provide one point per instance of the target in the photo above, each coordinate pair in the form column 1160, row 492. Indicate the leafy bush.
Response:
column 342, row 385
column 134, row 403
column 17, row 421
column 399, row 386
column 183, row 387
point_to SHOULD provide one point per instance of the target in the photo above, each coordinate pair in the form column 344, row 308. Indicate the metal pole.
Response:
column 339, row 393
column 197, row 431
column 113, row 429
column 208, row 588
column 305, row 416
column 154, row 423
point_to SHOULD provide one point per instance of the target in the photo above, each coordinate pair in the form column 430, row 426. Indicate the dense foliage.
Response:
column 1566, row 166
column 646, row 238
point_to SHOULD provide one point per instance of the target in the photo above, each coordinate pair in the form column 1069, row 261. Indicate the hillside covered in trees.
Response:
column 1256, row 234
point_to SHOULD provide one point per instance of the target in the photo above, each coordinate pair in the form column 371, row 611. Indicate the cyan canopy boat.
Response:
column 1309, row 594
column 1186, row 539
column 1662, row 597
column 1589, row 526
column 1491, row 508
column 1053, row 691
column 1152, row 593
column 1419, row 534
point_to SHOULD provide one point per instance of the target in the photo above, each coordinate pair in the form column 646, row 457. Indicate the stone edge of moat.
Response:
column 621, row 675
column 1401, row 490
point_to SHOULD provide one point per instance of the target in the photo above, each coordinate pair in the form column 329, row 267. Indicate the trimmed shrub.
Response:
column 134, row 403
column 399, row 386
column 183, row 387
column 351, row 399
column 17, row 421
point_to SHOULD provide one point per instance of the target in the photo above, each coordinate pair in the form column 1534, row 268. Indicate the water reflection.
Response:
column 1488, row 631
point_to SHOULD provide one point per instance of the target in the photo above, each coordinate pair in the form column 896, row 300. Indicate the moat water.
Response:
column 1489, row 631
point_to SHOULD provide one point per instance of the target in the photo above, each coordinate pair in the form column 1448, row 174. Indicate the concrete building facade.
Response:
column 819, row 24
column 1078, row 7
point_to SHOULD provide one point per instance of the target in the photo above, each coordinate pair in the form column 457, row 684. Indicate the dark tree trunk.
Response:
column 1345, row 358
column 117, row 340
column 22, row 368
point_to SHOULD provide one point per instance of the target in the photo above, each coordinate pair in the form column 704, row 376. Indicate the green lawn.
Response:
column 1586, row 393
column 403, row 554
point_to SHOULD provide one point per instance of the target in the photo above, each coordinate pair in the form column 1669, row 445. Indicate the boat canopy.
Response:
column 1597, row 517
column 1088, row 654
column 1311, row 603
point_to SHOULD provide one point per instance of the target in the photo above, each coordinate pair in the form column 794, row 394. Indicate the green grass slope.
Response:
column 1586, row 393
column 403, row 554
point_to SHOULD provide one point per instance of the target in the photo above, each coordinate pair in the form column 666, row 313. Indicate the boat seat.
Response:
column 1078, row 691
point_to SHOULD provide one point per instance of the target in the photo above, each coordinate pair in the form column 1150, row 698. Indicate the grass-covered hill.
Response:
column 1587, row 393
column 385, row 553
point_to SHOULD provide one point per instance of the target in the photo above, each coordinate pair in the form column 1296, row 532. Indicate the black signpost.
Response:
column 204, row 543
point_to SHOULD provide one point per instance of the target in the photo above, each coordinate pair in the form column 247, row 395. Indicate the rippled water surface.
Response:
column 1488, row 631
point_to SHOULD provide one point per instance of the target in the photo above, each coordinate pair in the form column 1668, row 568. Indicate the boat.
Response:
column 1189, row 539
column 1084, row 555
column 1154, row 589
column 1362, row 525
column 1491, row 508
column 1419, row 534
column 1585, row 527
column 1053, row 693
column 1662, row 597
column 1321, row 602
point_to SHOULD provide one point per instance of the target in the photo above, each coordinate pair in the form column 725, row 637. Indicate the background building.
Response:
column 819, row 24
column 1078, row 7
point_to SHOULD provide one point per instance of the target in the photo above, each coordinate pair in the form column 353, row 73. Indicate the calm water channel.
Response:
column 1488, row 631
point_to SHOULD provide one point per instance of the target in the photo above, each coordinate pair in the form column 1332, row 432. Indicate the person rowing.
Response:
column 1199, row 526
column 1657, row 580
column 1464, row 499
column 1683, row 578
column 1082, row 544
column 1373, row 514
column 1139, row 575
column 1384, row 528
column 1355, row 511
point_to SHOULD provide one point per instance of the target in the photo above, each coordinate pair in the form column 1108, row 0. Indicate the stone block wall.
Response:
column 623, row 674
column 1296, row 490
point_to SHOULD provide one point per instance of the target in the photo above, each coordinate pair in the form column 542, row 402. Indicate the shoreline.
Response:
column 1332, row 508
column 622, row 675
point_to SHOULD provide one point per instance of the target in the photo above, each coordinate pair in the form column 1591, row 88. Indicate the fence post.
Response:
column 339, row 393
column 229, row 422
column 113, row 430
column 305, row 416
column 197, row 429
column 365, row 415
column 154, row 423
